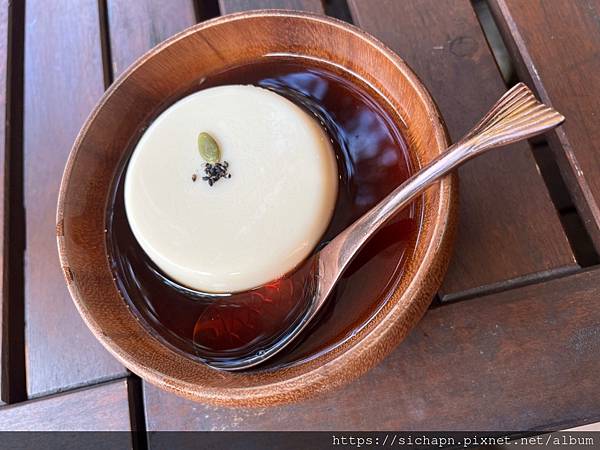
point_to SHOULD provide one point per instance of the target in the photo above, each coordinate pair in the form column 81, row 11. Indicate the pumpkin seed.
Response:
column 208, row 148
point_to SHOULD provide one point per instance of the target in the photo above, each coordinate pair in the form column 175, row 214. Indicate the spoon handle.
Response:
column 516, row 116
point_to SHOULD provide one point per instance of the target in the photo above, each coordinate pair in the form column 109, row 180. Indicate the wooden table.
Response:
column 513, row 338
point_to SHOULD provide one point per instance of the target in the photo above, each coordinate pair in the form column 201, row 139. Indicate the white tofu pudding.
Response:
column 238, row 232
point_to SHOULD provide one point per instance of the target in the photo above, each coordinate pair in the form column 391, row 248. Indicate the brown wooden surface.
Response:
column 137, row 26
column 63, row 38
column 556, row 45
column 98, row 408
column 4, row 202
column 521, row 359
column 508, row 227
column 526, row 357
column 230, row 6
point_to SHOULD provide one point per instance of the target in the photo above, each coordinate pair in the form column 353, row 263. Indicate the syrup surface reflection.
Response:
column 372, row 161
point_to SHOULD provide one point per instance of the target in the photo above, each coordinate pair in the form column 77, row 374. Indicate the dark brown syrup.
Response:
column 372, row 160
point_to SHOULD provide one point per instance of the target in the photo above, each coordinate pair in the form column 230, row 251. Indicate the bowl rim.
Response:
column 382, row 340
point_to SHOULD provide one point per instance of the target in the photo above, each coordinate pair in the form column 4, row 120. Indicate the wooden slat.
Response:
column 137, row 26
column 508, row 226
column 557, row 49
column 3, row 189
column 521, row 359
column 99, row 408
column 63, row 80
column 230, row 6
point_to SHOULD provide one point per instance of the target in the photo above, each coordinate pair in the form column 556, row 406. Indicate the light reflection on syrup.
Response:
column 372, row 161
column 251, row 321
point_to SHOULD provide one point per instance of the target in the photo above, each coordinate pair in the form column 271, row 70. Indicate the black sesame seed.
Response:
column 214, row 172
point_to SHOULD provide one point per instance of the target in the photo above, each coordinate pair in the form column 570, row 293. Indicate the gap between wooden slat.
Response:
column 338, row 9
column 13, row 339
column 206, row 9
column 579, row 238
column 571, row 221
column 513, row 283
column 70, row 390
column 105, row 43
column 137, row 413
column 495, row 42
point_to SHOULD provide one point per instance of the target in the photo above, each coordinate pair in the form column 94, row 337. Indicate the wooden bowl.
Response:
column 128, row 103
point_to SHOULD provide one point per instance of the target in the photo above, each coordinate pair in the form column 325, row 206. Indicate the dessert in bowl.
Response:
column 152, row 241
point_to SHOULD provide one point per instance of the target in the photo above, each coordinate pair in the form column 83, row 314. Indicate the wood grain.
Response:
column 99, row 408
column 4, row 200
column 508, row 227
column 521, row 359
column 63, row 80
column 135, row 26
column 556, row 46
column 230, row 6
